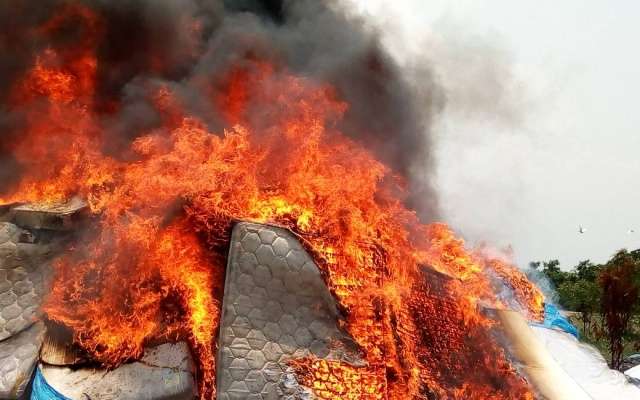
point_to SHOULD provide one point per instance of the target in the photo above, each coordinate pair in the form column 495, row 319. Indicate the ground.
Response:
column 600, row 342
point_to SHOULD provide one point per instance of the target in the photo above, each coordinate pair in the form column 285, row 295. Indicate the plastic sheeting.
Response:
column 586, row 366
column 554, row 319
column 41, row 390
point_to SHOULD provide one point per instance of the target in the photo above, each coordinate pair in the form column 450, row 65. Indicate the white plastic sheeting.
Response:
column 633, row 372
column 586, row 366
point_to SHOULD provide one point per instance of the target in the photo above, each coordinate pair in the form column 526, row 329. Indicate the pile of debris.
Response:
column 31, row 350
column 29, row 239
column 276, row 308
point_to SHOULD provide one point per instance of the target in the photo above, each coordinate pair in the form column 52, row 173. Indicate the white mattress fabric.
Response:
column 586, row 366
column 633, row 373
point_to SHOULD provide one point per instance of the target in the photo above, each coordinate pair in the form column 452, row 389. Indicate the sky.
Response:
column 541, row 131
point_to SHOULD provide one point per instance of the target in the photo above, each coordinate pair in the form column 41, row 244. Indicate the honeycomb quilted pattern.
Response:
column 276, row 308
column 18, row 358
column 23, row 272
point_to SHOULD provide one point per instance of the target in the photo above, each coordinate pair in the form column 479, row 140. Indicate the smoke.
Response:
column 543, row 282
column 486, row 133
column 478, row 74
column 144, row 44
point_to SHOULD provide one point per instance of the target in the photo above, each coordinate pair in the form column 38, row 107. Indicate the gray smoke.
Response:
column 316, row 39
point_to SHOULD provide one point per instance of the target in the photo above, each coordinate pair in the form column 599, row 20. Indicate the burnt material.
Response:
column 58, row 348
column 25, row 276
column 164, row 372
column 59, row 216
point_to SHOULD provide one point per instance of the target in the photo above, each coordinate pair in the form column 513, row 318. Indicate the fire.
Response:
column 526, row 295
column 333, row 380
column 152, row 268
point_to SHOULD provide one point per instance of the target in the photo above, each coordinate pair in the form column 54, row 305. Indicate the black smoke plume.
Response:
column 388, row 112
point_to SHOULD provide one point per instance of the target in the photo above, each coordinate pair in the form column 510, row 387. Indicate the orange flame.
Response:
column 152, row 269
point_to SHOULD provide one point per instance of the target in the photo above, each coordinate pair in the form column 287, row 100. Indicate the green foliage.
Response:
column 582, row 296
column 577, row 289
column 587, row 271
column 606, row 298
column 552, row 270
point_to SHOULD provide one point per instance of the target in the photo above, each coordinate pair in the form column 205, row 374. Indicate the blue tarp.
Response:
column 554, row 319
column 42, row 391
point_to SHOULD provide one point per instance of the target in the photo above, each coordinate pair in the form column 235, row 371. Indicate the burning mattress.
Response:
column 23, row 273
column 27, row 244
column 276, row 308
column 276, row 311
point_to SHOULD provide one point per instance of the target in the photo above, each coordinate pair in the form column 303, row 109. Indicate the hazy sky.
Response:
column 542, row 131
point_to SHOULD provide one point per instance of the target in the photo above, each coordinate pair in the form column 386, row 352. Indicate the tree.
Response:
column 551, row 266
column 552, row 270
column 619, row 284
column 582, row 296
column 587, row 271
